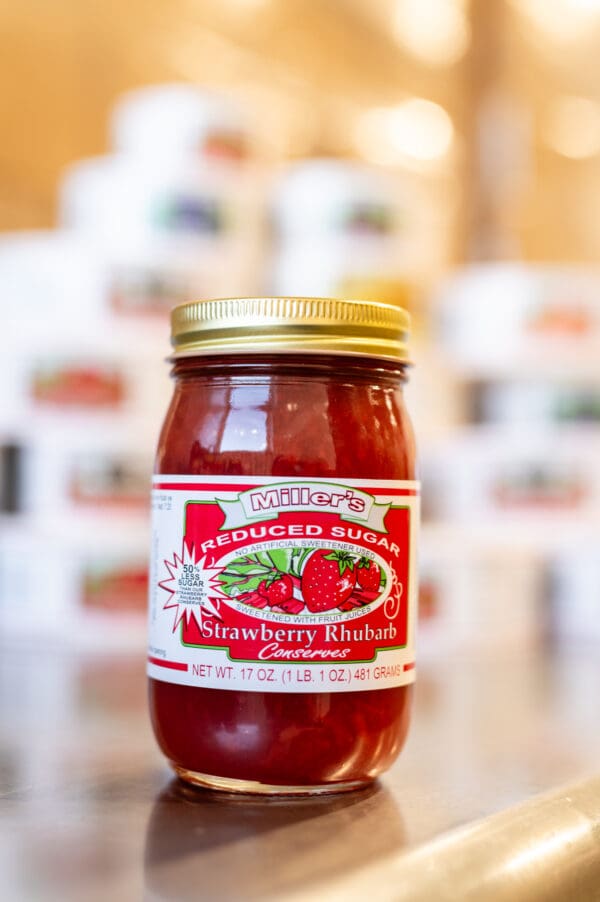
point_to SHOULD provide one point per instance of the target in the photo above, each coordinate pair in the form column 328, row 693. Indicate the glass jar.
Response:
column 283, row 579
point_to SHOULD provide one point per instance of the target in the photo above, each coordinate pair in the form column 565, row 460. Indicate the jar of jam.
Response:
column 283, row 578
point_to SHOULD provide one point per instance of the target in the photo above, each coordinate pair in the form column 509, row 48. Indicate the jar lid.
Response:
column 290, row 325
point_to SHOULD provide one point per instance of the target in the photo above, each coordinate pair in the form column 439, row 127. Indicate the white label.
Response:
column 283, row 585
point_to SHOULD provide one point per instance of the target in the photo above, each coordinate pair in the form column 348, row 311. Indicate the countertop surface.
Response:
column 89, row 810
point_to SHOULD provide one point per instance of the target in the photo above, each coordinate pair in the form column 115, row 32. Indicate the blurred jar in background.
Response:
column 335, row 219
column 178, row 209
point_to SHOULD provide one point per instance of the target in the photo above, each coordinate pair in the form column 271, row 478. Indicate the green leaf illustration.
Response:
column 345, row 561
column 282, row 558
column 299, row 556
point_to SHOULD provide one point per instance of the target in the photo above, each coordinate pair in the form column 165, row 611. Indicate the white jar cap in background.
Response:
column 330, row 195
column 178, row 118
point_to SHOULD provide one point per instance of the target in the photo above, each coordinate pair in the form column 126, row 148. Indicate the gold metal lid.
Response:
column 290, row 325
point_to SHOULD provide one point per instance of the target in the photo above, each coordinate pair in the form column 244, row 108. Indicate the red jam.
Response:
column 330, row 417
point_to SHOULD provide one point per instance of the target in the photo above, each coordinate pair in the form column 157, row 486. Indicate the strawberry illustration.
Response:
column 328, row 579
column 368, row 574
column 276, row 589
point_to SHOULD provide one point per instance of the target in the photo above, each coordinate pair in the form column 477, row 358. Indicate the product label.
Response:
column 283, row 585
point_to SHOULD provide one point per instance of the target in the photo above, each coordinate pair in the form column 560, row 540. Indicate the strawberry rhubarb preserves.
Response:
column 283, row 579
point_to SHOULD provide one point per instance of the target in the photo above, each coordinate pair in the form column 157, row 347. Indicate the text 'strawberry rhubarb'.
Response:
column 283, row 582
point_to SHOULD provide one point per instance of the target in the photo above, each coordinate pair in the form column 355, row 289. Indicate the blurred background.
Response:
column 441, row 154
